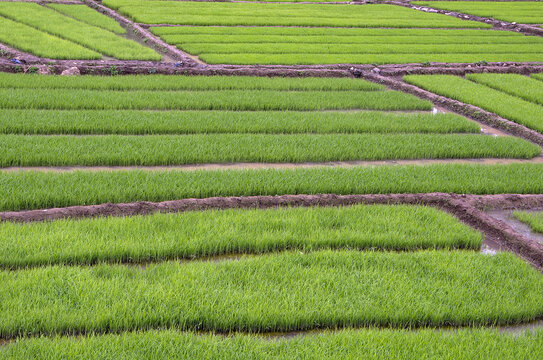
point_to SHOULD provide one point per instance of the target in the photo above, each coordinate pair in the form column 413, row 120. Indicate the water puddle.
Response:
column 518, row 226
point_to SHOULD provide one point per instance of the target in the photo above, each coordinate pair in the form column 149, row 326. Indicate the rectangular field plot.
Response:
column 283, row 292
column 213, row 13
column 352, row 344
column 141, row 122
column 524, row 12
column 291, row 45
column 84, row 32
column 89, row 16
column 210, row 233
column 514, row 97
column 154, row 150
column 38, row 190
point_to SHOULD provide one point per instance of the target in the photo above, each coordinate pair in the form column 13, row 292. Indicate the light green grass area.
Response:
column 92, row 37
column 203, row 13
column 153, row 150
column 533, row 219
column 180, row 82
column 280, row 292
column 209, row 100
column 196, row 234
column 89, row 16
column 351, row 344
column 510, row 107
column 28, row 39
column 130, row 122
column 35, row 190
column 315, row 59
column 525, row 12
column 518, row 85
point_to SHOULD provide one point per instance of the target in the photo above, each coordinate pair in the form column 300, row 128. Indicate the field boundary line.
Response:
column 467, row 208
column 458, row 107
column 497, row 24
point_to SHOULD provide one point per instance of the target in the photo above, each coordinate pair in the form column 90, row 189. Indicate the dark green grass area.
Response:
column 351, row 344
column 180, row 82
column 196, row 234
column 533, row 219
column 315, row 59
column 209, row 100
column 34, row 190
column 28, row 39
column 510, row 107
column 89, row 16
column 66, row 150
column 135, row 122
column 524, row 12
column 202, row 13
column 92, row 37
column 280, row 292
column 518, row 85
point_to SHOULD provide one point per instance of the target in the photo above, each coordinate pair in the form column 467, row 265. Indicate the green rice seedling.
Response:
column 528, row 12
column 196, row 234
column 25, row 190
column 153, row 150
column 538, row 76
column 139, row 122
column 510, row 107
column 190, row 13
column 292, row 48
column 369, row 343
column 533, row 219
column 89, row 16
column 315, row 59
column 28, row 39
column 286, row 32
column 281, row 292
column 92, row 37
column 179, row 82
column 513, row 84
column 360, row 41
column 209, row 100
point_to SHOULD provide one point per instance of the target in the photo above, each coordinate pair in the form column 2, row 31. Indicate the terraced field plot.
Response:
column 69, row 32
column 515, row 97
column 523, row 12
column 533, row 219
column 206, row 142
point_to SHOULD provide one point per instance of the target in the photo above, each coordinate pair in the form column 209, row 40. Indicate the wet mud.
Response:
column 517, row 225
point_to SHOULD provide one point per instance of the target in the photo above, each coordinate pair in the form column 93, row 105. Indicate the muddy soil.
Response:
column 518, row 226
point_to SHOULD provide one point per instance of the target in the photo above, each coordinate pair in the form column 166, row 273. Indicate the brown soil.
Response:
column 497, row 233
column 518, row 226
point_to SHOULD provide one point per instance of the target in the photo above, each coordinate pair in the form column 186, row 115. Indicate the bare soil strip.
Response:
column 517, row 225
column 497, row 233
column 458, row 107
column 243, row 166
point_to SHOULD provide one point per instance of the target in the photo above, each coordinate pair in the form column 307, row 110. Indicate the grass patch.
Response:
column 533, row 219
column 89, row 16
column 196, row 234
column 35, row 190
column 518, row 85
column 178, row 82
column 316, row 59
column 194, row 13
column 130, row 122
column 509, row 106
column 30, row 40
column 92, row 37
column 209, row 100
column 318, row 290
column 352, row 344
column 30, row 150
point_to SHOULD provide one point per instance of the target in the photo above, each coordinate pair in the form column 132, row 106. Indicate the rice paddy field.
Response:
column 269, row 180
